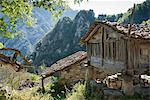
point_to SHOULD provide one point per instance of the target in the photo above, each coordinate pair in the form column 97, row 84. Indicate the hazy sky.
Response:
column 105, row 6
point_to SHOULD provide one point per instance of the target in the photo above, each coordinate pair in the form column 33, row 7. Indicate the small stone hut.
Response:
column 72, row 69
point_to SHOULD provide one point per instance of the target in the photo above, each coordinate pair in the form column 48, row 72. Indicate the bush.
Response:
column 78, row 92
column 35, row 78
column 57, row 90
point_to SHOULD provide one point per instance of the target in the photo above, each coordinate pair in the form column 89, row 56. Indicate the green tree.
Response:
column 12, row 11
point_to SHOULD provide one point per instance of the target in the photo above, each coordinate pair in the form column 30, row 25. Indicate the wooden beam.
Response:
column 92, row 33
column 42, row 83
column 102, row 30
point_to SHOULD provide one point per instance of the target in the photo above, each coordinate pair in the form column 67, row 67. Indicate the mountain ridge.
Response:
column 63, row 40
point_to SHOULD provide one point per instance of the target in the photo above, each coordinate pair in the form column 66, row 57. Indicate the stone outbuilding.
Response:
column 72, row 69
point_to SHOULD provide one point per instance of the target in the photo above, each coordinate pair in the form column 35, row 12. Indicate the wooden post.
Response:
column 42, row 83
column 102, row 29
column 128, row 74
column 149, row 59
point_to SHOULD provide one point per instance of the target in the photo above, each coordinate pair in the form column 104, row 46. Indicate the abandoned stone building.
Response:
column 72, row 69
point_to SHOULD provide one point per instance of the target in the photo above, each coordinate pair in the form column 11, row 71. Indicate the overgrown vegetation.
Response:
column 146, row 22
column 10, row 81
column 78, row 92
column 57, row 91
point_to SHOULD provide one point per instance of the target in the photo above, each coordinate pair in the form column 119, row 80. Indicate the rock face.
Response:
column 63, row 40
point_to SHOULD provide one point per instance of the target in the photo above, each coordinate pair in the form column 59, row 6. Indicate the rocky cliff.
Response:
column 64, row 39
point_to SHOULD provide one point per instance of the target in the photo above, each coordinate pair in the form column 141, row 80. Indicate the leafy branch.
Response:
column 12, row 11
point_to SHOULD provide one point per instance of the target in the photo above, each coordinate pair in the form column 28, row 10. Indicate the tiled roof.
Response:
column 66, row 62
column 138, row 31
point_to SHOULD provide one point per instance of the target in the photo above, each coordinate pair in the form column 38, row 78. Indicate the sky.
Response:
column 104, row 6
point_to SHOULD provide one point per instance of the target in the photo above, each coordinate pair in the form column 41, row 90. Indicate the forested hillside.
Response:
column 141, row 13
column 64, row 39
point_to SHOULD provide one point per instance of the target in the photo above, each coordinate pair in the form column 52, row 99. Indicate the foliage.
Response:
column 78, row 92
column 141, row 13
column 81, row 92
column 146, row 22
column 35, row 78
column 56, row 89
column 42, row 67
column 28, row 94
column 86, row 91
column 1, row 45
column 13, row 11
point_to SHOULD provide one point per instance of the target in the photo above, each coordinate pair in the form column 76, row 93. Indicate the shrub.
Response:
column 85, row 91
column 35, row 78
column 57, row 91
column 78, row 92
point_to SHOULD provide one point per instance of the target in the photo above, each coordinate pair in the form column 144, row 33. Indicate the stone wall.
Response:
column 77, row 72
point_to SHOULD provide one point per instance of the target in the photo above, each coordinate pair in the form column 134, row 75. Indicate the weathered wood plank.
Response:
column 102, row 31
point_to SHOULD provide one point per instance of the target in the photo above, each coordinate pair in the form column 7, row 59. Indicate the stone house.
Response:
column 72, row 69
column 115, row 48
